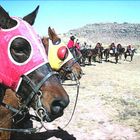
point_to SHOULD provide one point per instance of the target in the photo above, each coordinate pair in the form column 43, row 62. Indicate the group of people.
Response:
column 74, row 43
column 74, row 46
column 115, row 48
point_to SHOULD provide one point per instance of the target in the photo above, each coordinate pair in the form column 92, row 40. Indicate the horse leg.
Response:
column 131, row 57
column 100, row 58
column 125, row 56
column 116, row 58
column 89, row 60
column 106, row 57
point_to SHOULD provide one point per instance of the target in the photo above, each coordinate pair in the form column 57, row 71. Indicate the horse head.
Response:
column 60, row 58
column 26, row 69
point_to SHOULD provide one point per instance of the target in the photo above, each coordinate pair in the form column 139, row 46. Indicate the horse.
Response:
column 99, row 51
column 88, row 54
column 129, row 53
column 121, row 50
column 67, row 67
column 71, row 64
column 26, row 72
column 113, row 51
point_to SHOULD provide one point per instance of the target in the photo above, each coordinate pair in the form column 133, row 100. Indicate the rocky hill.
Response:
column 124, row 33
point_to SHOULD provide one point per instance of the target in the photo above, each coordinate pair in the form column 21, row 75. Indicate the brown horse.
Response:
column 70, row 68
column 99, row 50
column 37, row 87
column 130, row 53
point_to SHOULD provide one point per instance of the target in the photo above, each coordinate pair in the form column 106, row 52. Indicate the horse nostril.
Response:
column 58, row 106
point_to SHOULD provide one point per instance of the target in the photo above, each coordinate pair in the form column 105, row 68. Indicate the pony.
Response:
column 68, row 67
column 99, row 51
column 89, row 55
column 66, row 63
column 129, row 53
column 121, row 50
column 28, row 74
column 113, row 51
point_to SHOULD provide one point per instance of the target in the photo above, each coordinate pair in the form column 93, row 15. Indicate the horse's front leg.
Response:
column 131, row 57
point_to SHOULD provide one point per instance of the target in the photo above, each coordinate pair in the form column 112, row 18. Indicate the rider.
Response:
column 98, row 45
column 129, row 49
column 70, row 44
column 77, row 44
column 78, row 47
column 119, row 46
column 113, row 48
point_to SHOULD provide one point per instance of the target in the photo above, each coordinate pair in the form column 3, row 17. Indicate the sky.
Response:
column 63, row 15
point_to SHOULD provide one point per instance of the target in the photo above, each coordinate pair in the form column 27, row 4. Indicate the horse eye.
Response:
column 57, row 42
column 20, row 49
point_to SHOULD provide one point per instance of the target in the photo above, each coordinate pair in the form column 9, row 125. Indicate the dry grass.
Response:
column 108, row 106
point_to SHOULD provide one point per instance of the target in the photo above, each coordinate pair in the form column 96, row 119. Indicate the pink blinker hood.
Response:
column 10, row 70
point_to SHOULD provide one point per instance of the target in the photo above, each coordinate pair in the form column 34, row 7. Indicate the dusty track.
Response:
column 108, row 106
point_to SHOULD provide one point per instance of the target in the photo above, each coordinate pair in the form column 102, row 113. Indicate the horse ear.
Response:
column 53, row 36
column 30, row 18
column 6, row 21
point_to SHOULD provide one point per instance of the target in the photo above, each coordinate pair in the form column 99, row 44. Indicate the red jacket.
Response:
column 70, row 44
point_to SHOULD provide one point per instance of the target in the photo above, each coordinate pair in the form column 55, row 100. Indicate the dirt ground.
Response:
column 108, row 106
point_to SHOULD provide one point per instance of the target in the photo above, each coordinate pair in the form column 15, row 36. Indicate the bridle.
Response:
column 68, row 68
column 41, row 113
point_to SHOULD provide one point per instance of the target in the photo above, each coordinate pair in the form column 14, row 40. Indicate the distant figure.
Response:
column 70, row 44
column 113, row 48
column 84, row 46
column 77, row 44
column 98, row 45
column 129, row 49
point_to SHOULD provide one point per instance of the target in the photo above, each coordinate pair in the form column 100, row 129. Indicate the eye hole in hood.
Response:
column 20, row 49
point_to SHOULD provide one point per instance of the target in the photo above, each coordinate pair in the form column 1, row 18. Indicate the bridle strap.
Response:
column 33, row 93
column 77, row 94
column 34, row 87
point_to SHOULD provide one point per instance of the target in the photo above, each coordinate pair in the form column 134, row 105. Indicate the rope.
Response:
column 78, row 85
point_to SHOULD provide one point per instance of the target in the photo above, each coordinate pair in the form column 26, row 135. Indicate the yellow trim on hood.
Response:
column 54, row 61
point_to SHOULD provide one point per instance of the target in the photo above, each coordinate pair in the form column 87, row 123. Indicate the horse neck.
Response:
column 45, row 42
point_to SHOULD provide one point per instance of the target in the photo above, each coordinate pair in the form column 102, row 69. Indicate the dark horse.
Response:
column 129, row 53
column 114, row 51
column 26, row 71
column 68, row 67
column 99, row 52
column 88, row 54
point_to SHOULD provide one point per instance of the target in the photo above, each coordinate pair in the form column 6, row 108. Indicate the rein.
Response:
column 34, row 130
column 74, row 108
column 76, row 99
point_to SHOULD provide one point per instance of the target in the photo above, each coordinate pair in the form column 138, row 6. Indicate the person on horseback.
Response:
column 77, row 44
column 77, row 48
column 70, row 44
column 129, row 49
column 113, row 48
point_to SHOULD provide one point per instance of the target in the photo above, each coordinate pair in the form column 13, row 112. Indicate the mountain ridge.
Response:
column 106, row 33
